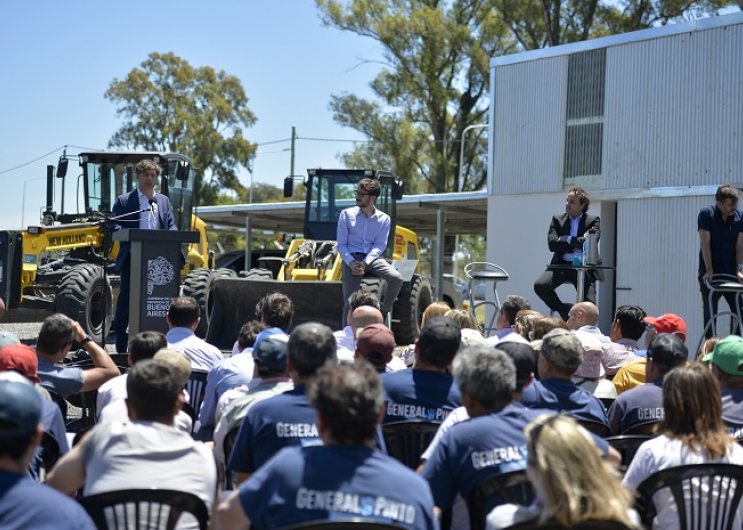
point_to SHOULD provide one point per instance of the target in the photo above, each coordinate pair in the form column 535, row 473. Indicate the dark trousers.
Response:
column 121, row 315
column 730, row 298
column 550, row 280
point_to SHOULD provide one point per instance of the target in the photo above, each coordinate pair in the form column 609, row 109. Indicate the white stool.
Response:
column 482, row 271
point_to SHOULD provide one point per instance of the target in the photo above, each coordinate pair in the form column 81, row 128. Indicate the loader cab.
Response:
column 330, row 191
column 106, row 175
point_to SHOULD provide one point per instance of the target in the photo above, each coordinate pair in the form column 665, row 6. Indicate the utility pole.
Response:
column 294, row 136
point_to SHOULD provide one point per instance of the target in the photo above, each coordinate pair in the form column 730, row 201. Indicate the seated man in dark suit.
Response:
column 158, row 216
column 565, row 239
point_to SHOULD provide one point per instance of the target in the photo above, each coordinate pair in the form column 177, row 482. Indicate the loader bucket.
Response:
column 234, row 301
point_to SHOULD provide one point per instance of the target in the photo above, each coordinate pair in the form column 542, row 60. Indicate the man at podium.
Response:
column 145, row 209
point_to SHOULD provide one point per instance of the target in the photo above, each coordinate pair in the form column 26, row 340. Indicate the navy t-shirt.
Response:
column 723, row 237
column 419, row 394
column 272, row 424
column 333, row 482
column 732, row 411
column 565, row 397
column 641, row 404
column 25, row 504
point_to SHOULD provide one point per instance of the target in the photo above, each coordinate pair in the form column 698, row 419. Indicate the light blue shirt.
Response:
column 359, row 233
column 226, row 374
column 573, row 233
column 147, row 219
column 203, row 355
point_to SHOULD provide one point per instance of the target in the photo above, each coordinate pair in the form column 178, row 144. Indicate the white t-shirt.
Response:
column 120, row 456
column 662, row 453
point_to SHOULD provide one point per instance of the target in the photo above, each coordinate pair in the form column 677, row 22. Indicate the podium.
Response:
column 155, row 258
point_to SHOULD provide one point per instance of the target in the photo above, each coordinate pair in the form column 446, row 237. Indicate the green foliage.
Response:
column 168, row 105
column 433, row 86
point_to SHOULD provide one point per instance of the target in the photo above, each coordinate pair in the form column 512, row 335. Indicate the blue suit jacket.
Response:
column 129, row 203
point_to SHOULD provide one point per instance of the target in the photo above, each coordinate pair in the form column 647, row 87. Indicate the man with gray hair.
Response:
column 492, row 441
column 506, row 320
column 559, row 358
column 344, row 477
column 286, row 419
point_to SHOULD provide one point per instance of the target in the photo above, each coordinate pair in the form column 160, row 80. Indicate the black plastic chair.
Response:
column 196, row 388
column 596, row 427
column 513, row 487
column 61, row 403
column 407, row 440
column 143, row 509
column 645, row 427
column 354, row 523
column 50, row 451
column 229, row 443
column 627, row 445
column 584, row 525
column 707, row 496
column 607, row 402
column 89, row 411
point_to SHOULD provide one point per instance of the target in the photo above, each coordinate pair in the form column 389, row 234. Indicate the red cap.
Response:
column 668, row 323
column 20, row 358
column 376, row 343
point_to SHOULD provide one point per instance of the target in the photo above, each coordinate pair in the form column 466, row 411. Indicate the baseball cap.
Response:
column 268, row 332
column 6, row 337
column 271, row 352
column 20, row 406
column 562, row 348
column 20, row 358
column 441, row 333
column 668, row 350
column 668, row 323
column 376, row 342
column 727, row 355
column 178, row 360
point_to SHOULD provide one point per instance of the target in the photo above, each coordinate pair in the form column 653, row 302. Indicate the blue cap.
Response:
column 20, row 405
column 270, row 354
column 268, row 332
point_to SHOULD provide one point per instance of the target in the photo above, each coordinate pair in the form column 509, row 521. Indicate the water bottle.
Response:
column 591, row 248
column 585, row 251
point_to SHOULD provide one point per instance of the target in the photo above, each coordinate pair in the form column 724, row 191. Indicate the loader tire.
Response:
column 197, row 285
column 85, row 297
column 258, row 274
column 414, row 298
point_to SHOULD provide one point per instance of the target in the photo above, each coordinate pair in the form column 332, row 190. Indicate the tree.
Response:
column 434, row 85
column 168, row 105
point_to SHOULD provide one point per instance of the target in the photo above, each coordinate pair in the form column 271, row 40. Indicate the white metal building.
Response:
column 649, row 123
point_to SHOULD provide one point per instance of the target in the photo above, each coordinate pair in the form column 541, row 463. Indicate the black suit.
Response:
column 560, row 242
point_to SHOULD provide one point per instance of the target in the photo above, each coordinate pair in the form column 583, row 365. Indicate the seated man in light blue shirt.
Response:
column 362, row 239
column 183, row 318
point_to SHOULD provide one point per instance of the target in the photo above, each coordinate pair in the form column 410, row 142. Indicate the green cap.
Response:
column 727, row 355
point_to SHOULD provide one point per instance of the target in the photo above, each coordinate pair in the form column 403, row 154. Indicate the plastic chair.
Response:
column 706, row 496
column 483, row 271
column 354, row 523
column 229, row 443
column 406, row 440
column 584, row 525
column 596, row 427
column 627, row 445
column 196, row 388
column 513, row 487
column 645, row 427
column 141, row 509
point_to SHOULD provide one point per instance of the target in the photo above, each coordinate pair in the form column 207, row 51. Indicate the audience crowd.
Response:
column 292, row 425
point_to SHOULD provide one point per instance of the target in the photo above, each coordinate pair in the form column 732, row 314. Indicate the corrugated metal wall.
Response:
column 657, row 258
column 529, row 126
column 674, row 110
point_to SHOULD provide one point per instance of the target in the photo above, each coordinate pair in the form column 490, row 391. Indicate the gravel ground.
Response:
column 29, row 331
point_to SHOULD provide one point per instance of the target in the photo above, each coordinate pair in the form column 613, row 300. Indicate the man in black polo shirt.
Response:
column 720, row 229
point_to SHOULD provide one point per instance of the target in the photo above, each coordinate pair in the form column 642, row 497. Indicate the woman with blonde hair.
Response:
column 463, row 318
column 525, row 320
column 572, row 482
column 692, row 433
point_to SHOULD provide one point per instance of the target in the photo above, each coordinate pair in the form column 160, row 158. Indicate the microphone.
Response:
column 153, row 207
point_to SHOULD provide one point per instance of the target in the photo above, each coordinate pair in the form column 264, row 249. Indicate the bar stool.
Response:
column 482, row 271
column 722, row 283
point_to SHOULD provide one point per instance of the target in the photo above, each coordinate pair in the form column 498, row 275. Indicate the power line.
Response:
column 48, row 154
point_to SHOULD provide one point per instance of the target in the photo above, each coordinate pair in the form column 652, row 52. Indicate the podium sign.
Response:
column 155, row 263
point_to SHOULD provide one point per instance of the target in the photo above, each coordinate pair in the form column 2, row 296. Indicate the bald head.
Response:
column 365, row 316
column 583, row 314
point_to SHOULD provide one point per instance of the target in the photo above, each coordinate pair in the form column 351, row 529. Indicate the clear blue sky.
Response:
column 58, row 59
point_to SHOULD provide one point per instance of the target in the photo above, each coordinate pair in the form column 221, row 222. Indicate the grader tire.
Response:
column 414, row 298
column 258, row 274
column 197, row 285
column 83, row 296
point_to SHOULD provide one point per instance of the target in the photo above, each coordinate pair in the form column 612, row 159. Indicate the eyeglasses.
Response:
column 360, row 194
